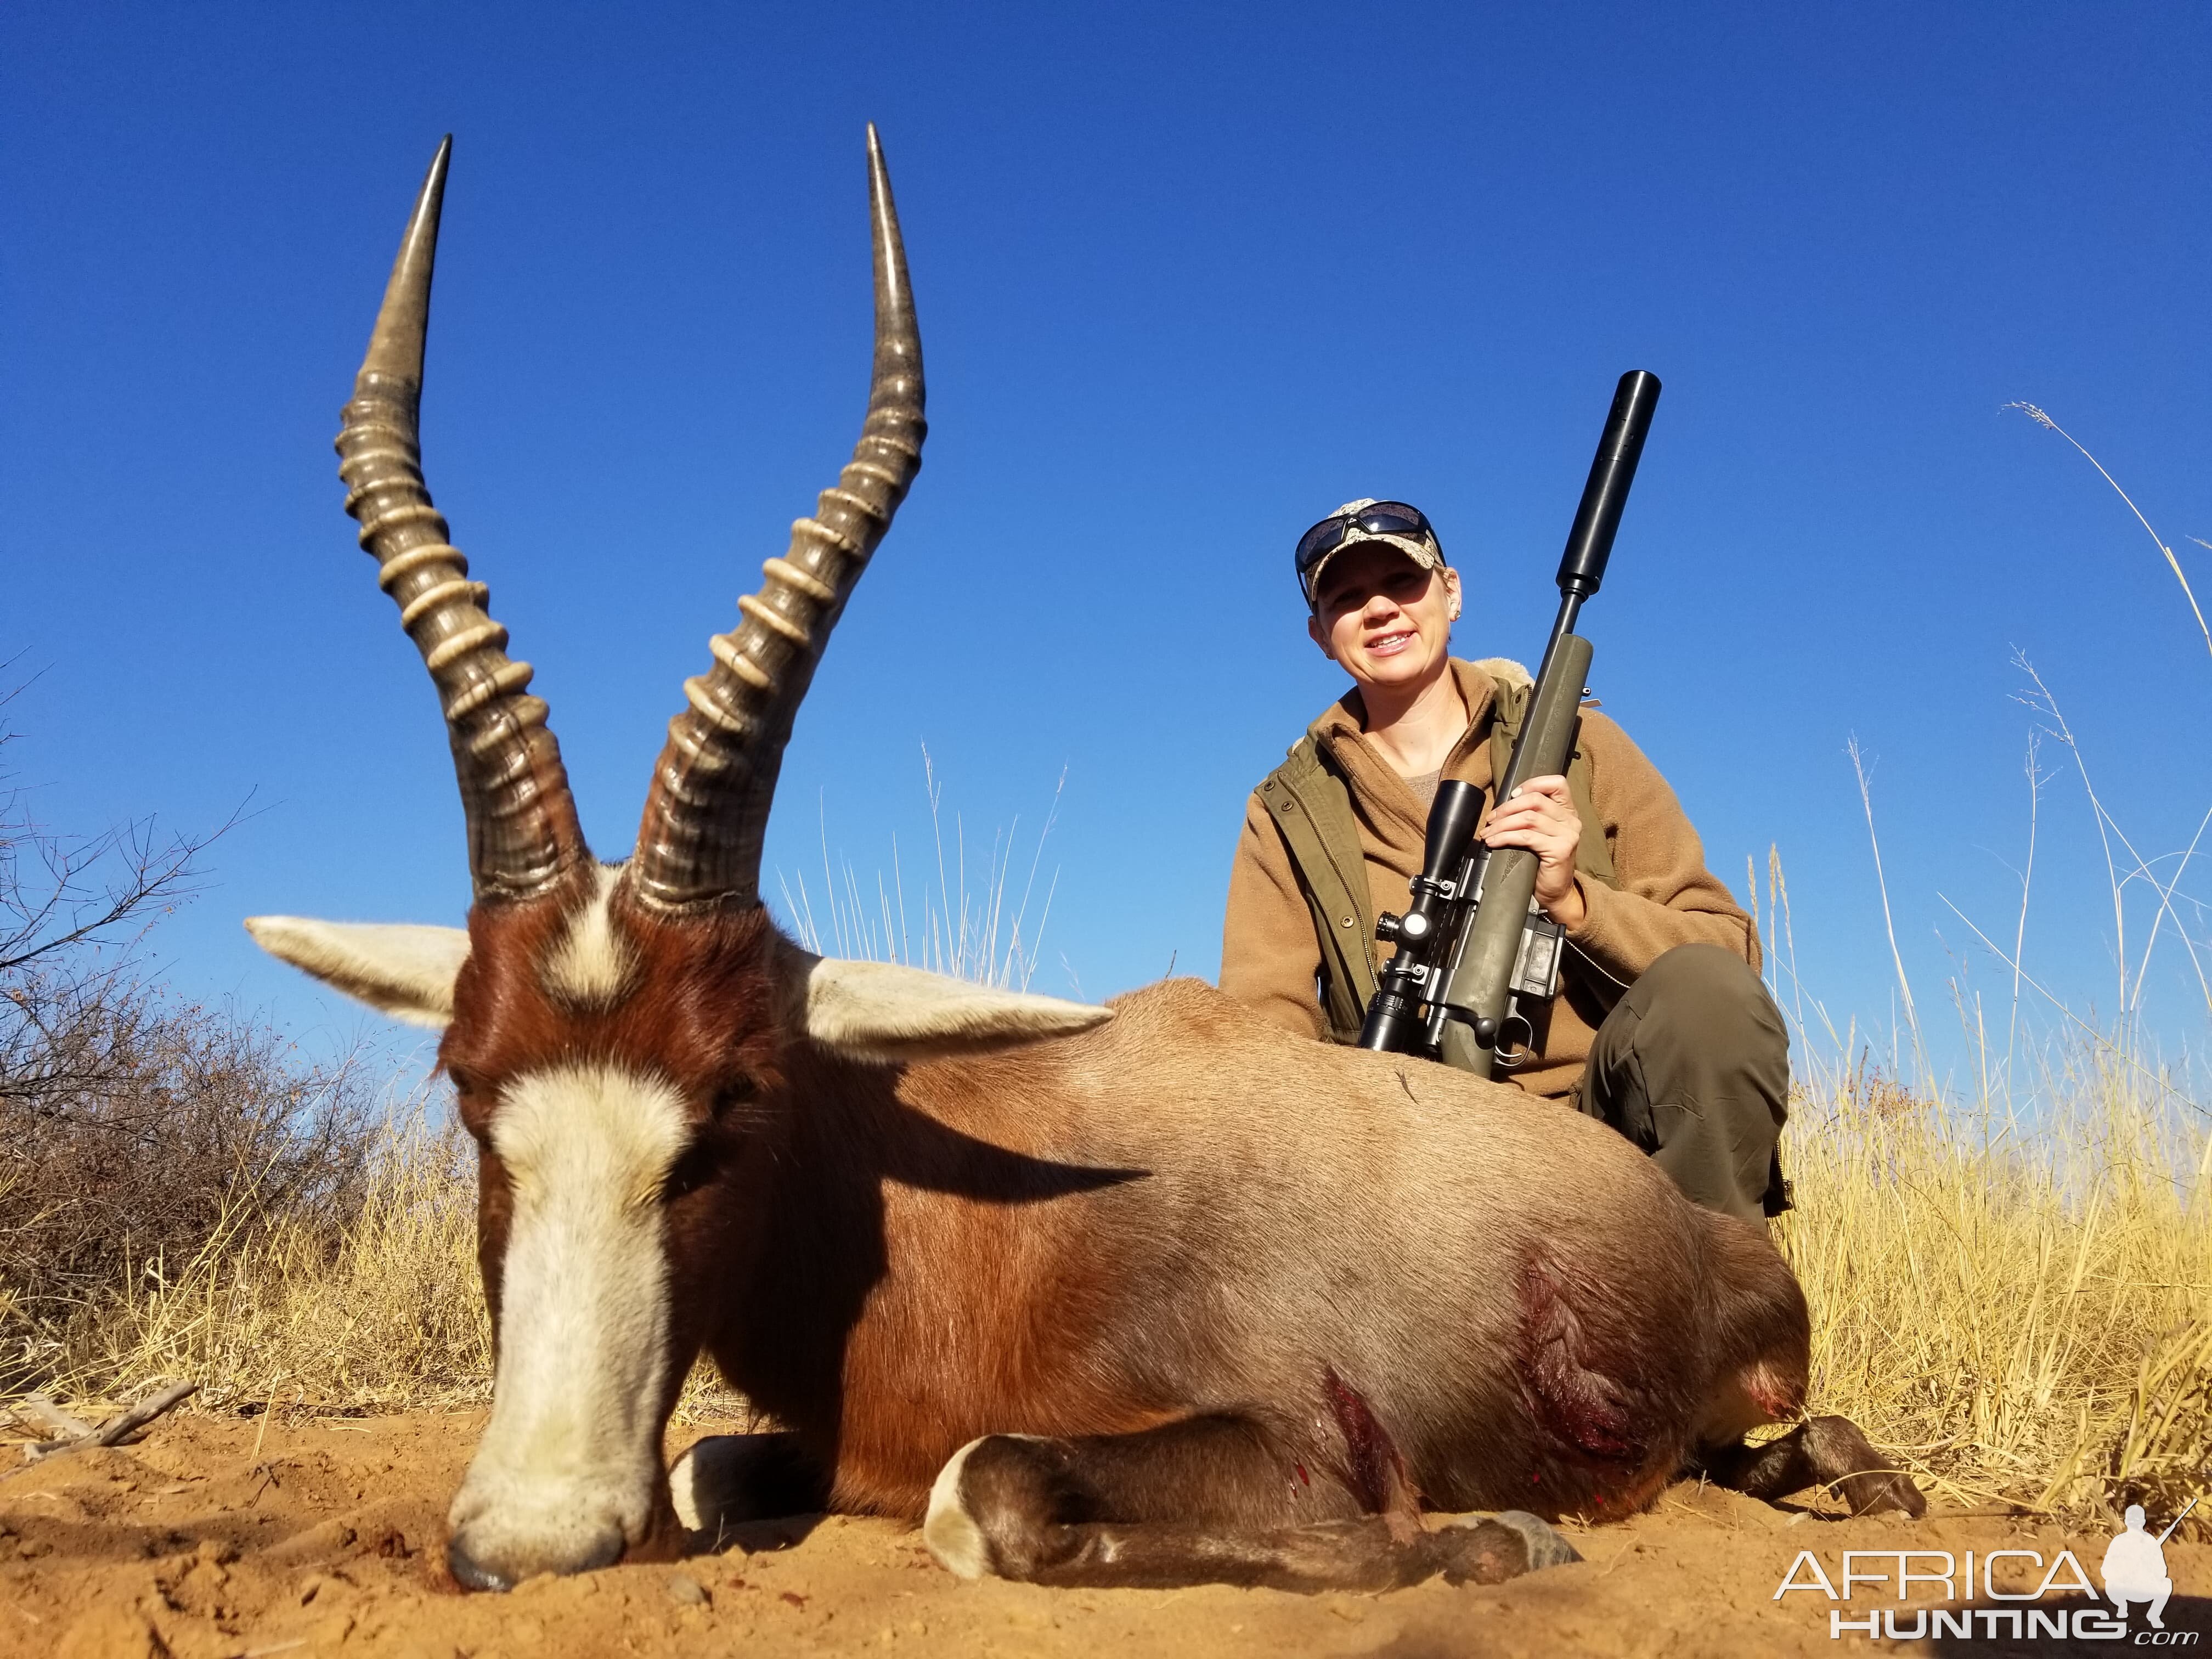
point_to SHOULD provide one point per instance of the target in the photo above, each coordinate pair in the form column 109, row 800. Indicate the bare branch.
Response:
column 118, row 1427
column 64, row 909
column 37, row 1409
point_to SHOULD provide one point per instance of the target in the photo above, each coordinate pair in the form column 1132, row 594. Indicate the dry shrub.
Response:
column 381, row 1308
column 181, row 1194
column 135, row 1132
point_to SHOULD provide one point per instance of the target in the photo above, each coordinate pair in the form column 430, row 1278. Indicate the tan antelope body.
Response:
column 1146, row 1295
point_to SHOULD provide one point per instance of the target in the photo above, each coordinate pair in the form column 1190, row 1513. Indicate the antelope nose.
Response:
column 479, row 1564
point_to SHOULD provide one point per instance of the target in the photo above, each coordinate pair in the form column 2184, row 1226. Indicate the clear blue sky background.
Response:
column 1187, row 278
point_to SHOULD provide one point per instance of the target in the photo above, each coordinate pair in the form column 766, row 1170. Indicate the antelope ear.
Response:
column 882, row 1011
column 396, row 968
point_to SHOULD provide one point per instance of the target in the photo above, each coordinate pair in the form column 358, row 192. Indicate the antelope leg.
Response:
column 1819, row 1451
column 726, row 1480
column 1121, row 1511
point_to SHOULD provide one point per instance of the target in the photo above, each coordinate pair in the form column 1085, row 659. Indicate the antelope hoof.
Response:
column 473, row 1572
column 1876, row 1490
column 1501, row 1545
column 708, row 1483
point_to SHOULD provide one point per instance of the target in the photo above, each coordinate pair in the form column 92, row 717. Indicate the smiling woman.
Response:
column 1658, row 1002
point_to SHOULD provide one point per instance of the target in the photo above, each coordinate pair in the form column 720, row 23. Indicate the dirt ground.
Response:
column 220, row 1539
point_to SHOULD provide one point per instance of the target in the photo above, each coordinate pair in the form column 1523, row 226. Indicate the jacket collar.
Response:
column 1347, row 716
column 1339, row 734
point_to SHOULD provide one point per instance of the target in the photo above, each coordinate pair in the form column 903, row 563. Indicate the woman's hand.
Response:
column 1541, row 817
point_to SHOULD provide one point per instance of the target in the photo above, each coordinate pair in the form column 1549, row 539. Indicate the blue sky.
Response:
column 1187, row 278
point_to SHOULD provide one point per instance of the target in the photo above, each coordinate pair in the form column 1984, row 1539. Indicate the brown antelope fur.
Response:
column 1345, row 1284
column 1150, row 1295
column 1184, row 1212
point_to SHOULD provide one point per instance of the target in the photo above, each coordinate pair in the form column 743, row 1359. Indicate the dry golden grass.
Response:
column 2021, row 1312
column 2018, row 1305
column 386, row 1313
column 2012, row 1282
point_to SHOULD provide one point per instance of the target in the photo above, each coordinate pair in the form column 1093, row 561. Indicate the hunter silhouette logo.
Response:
column 2133, row 1570
column 2134, row 1567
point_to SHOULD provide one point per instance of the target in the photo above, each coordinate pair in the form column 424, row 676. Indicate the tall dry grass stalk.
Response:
column 981, row 932
column 2011, row 1280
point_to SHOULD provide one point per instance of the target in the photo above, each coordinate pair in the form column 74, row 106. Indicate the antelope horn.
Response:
column 522, row 828
column 711, row 787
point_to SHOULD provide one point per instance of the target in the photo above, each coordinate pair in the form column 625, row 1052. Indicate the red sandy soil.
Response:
column 218, row 1539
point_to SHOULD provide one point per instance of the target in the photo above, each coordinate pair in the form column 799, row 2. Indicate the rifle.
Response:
column 2176, row 1522
column 1473, row 947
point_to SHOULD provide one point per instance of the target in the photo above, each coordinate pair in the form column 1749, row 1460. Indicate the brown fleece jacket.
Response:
column 1270, row 958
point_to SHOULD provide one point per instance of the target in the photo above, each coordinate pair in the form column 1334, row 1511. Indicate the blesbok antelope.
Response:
column 1142, row 1295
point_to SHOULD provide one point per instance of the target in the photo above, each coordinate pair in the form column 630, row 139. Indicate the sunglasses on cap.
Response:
column 1376, row 518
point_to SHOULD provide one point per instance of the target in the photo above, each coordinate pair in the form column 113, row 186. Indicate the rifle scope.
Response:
column 1393, row 1017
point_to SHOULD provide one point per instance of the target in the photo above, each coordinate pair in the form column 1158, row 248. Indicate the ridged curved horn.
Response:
column 522, row 828
column 711, row 787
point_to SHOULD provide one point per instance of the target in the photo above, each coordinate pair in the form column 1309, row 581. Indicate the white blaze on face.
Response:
column 591, row 967
column 565, row 1475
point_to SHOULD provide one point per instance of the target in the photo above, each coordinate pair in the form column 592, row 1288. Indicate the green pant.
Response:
column 1693, row 1065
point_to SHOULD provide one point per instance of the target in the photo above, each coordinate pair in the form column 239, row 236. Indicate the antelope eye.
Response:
column 471, row 1104
column 692, row 1171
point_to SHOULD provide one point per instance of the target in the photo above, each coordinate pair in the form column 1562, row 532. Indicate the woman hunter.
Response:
column 1661, row 1027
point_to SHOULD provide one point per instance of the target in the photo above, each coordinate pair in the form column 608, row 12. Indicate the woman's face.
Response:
column 1383, row 619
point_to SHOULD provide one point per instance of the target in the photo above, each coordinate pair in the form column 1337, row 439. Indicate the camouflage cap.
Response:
column 1397, row 525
